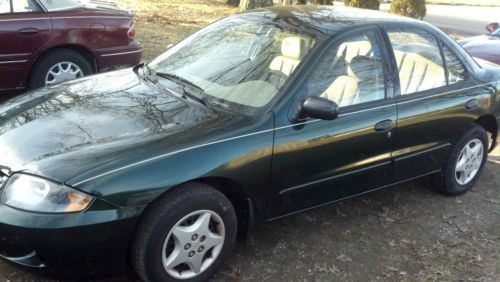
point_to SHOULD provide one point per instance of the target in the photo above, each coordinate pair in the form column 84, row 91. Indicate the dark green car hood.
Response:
column 62, row 131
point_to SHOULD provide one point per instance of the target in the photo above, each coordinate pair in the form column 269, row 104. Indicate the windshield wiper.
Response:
column 148, row 72
column 194, row 96
column 179, row 79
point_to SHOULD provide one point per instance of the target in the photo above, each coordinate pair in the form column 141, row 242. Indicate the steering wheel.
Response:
column 276, row 78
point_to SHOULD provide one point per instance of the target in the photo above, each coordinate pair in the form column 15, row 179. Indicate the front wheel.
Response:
column 465, row 163
column 185, row 236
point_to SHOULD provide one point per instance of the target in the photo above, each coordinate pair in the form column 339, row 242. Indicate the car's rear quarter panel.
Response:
column 96, row 32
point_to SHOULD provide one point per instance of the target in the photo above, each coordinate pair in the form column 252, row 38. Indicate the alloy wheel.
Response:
column 193, row 244
column 63, row 71
column 469, row 162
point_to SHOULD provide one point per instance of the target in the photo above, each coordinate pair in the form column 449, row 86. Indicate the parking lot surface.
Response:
column 407, row 232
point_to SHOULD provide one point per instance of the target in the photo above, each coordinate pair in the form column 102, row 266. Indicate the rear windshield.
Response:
column 57, row 5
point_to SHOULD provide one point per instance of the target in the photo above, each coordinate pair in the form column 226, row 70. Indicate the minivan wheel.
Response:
column 465, row 164
column 58, row 66
column 184, row 236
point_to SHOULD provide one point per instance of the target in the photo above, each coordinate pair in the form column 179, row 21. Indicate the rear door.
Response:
column 24, row 27
column 438, row 99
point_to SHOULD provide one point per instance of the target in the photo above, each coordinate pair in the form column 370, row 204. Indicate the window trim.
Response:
column 331, row 42
column 443, row 58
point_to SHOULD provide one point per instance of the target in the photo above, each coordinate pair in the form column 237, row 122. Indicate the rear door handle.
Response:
column 471, row 104
column 384, row 125
column 28, row 31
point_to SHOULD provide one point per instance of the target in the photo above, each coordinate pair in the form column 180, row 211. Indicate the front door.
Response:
column 24, row 28
column 320, row 161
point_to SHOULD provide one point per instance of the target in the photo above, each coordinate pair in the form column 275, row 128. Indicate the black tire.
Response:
column 42, row 67
column 159, row 219
column 446, row 181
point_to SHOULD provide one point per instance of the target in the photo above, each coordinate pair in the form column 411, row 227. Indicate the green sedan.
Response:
column 260, row 115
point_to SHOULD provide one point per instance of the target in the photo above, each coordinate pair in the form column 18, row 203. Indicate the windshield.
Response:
column 56, row 5
column 240, row 62
column 496, row 32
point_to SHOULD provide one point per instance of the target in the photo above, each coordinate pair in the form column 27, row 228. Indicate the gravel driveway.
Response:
column 408, row 232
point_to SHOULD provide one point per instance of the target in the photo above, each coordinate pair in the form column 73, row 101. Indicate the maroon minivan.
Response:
column 43, row 42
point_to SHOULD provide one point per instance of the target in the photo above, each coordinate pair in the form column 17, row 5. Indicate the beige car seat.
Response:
column 359, row 85
column 353, row 49
column 417, row 73
column 292, row 51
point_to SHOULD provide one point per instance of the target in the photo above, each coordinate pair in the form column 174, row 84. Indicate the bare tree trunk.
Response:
column 253, row 4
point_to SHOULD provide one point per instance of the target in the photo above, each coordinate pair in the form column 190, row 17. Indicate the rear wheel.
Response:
column 465, row 164
column 185, row 236
column 58, row 66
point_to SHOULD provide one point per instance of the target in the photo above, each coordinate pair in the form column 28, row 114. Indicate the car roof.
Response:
column 328, row 19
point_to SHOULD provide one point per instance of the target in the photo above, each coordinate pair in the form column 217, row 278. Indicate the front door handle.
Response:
column 28, row 31
column 384, row 125
column 471, row 104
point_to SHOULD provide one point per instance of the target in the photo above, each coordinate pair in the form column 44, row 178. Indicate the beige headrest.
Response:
column 361, row 67
column 293, row 47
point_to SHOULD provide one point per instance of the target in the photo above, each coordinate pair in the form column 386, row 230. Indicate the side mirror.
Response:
column 318, row 107
column 491, row 27
column 169, row 46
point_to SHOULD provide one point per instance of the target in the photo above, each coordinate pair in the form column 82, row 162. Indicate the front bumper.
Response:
column 90, row 243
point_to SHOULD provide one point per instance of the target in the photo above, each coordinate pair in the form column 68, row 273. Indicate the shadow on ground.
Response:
column 408, row 232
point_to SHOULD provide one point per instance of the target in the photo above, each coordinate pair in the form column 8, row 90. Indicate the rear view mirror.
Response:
column 491, row 27
column 319, row 108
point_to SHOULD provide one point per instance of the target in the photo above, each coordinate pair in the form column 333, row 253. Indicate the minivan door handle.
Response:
column 471, row 104
column 28, row 31
column 384, row 125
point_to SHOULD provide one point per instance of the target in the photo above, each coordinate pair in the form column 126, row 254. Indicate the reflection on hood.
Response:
column 92, row 115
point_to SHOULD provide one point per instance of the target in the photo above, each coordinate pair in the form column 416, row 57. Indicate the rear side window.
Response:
column 456, row 70
column 25, row 6
column 419, row 60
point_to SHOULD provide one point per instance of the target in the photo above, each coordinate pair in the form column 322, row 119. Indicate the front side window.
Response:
column 419, row 60
column 239, row 63
column 351, row 72
column 25, row 6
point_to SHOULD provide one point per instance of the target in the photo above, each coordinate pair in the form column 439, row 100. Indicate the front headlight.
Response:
column 36, row 194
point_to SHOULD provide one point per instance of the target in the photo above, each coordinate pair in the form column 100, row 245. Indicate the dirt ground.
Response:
column 405, row 233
